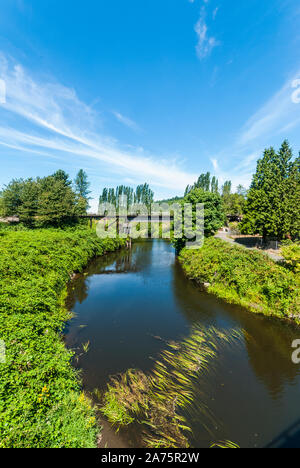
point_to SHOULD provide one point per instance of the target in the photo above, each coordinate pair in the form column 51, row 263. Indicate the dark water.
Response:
column 129, row 303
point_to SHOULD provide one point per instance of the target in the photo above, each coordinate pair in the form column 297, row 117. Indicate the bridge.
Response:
column 127, row 219
column 134, row 217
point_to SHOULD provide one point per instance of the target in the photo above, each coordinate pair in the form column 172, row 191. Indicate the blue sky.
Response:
column 153, row 91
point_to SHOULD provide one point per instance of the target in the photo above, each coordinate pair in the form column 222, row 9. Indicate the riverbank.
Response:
column 242, row 277
column 41, row 403
column 131, row 305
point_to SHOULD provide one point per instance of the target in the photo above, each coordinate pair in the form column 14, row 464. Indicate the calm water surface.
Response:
column 129, row 303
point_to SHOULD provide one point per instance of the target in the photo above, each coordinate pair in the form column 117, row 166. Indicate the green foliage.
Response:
column 29, row 202
column 214, row 216
column 57, row 203
column 234, row 228
column 226, row 189
column 204, row 182
column 2, row 207
column 272, row 208
column 244, row 277
column 63, row 177
column 143, row 195
column 214, row 212
column 82, row 191
column 291, row 254
column 40, row 400
column 234, row 204
column 11, row 197
column 48, row 201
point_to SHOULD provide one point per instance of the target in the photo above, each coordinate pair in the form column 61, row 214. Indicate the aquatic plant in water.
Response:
column 155, row 401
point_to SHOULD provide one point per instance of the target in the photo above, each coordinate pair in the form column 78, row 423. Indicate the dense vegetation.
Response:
column 213, row 209
column 233, row 203
column 245, row 277
column 214, row 215
column 272, row 208
column 291, row 254
column 143, row 195
column 47, row 201
column 41, row 404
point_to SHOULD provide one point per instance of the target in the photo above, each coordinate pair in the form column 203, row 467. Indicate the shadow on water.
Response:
column 290, row 438
column 130, row 303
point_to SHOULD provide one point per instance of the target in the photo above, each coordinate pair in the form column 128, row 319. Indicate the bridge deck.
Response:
column 130, row 218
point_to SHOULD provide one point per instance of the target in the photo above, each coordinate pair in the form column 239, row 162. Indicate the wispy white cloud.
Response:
column 277, row 115
column 272, row 121
column 125, row 120
column 215, row 12
column 215, row 164
column 206, row 42
column 57, row 122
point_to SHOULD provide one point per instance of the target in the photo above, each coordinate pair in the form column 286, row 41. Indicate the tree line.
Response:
column 116, row 197
column 233, row 203
column 53, row 200
column 270, row 208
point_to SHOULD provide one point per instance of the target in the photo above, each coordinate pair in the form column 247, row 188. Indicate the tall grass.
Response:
column 156, row 401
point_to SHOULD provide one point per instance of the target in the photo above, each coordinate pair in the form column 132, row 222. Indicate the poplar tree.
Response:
column 82, row 185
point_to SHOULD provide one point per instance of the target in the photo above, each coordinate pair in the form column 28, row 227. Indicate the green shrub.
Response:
column 41, row 404
column 291, row 254
column 245, row 277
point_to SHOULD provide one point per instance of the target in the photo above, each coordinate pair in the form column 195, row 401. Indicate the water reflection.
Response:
column 268, row 343
column 267, row 340
column 129, row 303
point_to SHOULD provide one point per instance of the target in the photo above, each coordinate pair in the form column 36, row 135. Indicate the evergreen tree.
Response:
column 63, row 176
column 272, row 208
column 11, row 197
column 29, row 202
column 57, row 203
column 82, row 185
column 291, row 227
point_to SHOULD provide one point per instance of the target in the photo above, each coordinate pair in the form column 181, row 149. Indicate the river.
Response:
column 128, row 304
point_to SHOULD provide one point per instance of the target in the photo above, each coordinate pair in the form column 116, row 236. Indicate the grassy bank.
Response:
column 41, row 404
column 244, row 277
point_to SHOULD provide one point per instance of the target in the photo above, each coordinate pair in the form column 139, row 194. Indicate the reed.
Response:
column 226, row 444
column 156, row 401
